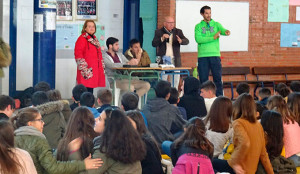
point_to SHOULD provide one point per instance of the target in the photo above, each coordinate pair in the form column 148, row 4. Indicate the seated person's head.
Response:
column 54, row 95
column 244, row 107
column 295, row 86
column 242, row 88
column 137, row 117
column 39, row 97
column 104, row 96
column 282, row 89
column 162, row 89
column 112, row 44
column 77, row 91
column 264, row 93
column 7, row 105
column 87, row 99
column 42, row 86
column 135, row 45
column 191, row 86
column 260, row 109
column 174, row 96
column 208, row 89
column 130, row 101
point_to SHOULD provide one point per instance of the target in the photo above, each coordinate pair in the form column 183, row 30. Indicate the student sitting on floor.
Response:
column 104, row 99
column 87, row 99
column 174, row 100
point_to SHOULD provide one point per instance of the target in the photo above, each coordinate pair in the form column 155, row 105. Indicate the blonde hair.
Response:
column 85, row 25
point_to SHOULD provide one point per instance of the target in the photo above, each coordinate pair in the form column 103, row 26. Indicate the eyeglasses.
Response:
column 170, row 22
column 40, row 120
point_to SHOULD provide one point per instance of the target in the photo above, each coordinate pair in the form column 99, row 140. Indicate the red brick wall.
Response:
column 264, row 42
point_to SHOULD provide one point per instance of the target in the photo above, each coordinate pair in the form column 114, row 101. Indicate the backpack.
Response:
column 193, row 163
column 280, row 165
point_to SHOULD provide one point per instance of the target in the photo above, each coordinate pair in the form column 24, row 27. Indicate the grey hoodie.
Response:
column 164, row 119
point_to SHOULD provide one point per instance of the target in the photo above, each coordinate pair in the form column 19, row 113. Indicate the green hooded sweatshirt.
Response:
column 204, row 36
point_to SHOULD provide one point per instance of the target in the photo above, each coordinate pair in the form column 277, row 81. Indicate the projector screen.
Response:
column 233, row 16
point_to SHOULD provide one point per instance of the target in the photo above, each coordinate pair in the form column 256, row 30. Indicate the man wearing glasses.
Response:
column 167, row 40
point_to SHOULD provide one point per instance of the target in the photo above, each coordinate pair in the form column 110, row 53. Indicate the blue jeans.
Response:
column 296, row 160
column 205, row 64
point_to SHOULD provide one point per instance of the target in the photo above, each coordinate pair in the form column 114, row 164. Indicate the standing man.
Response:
column 207, row 34
column 167, row 40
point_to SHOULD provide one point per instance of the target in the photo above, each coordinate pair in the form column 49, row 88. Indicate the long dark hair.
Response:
column 276, row 102
column 244, row 107
column 24, row 116
column 194, row 136
column 137, row 117
column 271, row 122
column 81, row 124
column 9, row 163
column 120, row 141
column 294, row 105
column 219, row 115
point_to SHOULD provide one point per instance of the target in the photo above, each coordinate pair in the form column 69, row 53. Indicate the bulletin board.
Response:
column 233, row 16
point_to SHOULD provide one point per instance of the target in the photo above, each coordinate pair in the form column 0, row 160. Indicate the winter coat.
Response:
column 25, row 160
column 54, row 127
column 89, row 54
column 164, row 119
column 5, row 56
column 66, row 110
column 34, row 142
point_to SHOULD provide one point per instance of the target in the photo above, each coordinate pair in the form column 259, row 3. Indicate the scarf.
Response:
column 93, row 40
column 29, row 130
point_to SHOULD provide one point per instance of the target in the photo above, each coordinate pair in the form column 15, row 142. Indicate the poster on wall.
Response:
column 290, row 35
column 278, row 10
column 86, row 9
column 47, row 3
column 64, row 10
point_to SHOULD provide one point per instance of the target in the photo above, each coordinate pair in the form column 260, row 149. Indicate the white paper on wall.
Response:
column 38, row 23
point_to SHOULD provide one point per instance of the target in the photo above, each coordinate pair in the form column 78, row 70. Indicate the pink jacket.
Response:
column 291, row 139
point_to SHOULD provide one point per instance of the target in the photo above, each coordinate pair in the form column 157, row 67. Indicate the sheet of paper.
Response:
column 278, row 10
column 294, row 2
column 290, row 35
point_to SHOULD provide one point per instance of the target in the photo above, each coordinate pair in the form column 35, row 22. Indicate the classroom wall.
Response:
column 264, row 41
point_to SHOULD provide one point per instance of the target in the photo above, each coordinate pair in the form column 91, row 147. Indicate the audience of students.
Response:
column 13, row 160
column 28, row 136
column 164, row 119
column 242, row 87
column 208, row 92
column 218, row 124
column 80, row 125
column 120, row 146
column 295, row 86
column 76, row 93
column 87, row 99
column 263, row 95
column 191, row 100
column 192, row 151
column 174, row 100
column 249, row 141
column 7, row 107
column 151, row 164
column 104, row 99
column 52, row 117
column 291, row 128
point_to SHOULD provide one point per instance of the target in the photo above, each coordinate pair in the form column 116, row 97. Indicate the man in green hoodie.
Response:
column 207, row 34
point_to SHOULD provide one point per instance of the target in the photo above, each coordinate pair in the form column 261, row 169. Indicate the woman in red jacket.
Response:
column 90, row 67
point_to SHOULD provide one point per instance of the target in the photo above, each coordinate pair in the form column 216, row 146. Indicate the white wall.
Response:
column 110, row 14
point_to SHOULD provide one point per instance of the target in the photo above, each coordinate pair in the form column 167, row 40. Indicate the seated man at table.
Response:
column 113, row 59
column 136, row 52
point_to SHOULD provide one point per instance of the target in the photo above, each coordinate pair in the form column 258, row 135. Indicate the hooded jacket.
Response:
column 54, row 127
column 34, row 142
column 164, row 119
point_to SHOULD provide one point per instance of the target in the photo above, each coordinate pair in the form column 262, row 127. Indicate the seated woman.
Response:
column 272, row 124
column 218, row 124
column 291, row 128
column 151, row 164
column 29, row 136
column 248, row 140
column 192, row 150
column 81, row 125
column 13, row 160
column 120, row 146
